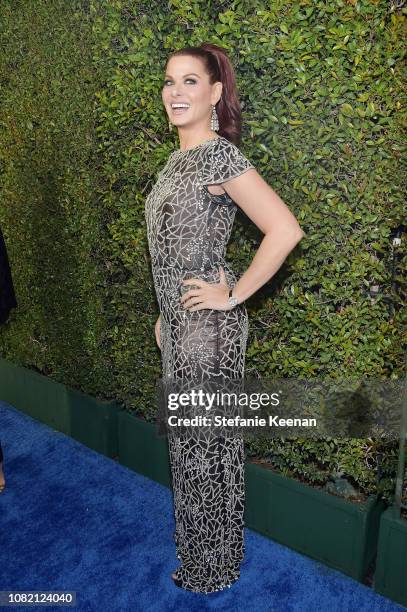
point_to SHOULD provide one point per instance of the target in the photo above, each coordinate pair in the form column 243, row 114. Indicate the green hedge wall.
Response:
column 84, row 132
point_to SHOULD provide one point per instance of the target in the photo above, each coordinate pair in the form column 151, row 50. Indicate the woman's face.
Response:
column 185, row 80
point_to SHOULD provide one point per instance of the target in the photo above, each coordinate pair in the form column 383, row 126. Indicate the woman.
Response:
column 202, row 328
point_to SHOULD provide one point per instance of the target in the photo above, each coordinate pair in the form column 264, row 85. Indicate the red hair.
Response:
column 219, row 68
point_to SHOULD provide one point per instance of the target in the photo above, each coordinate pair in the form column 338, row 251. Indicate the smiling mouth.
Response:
column 179, row 111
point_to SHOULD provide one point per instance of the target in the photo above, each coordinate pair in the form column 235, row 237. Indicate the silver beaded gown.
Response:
column 188, row 229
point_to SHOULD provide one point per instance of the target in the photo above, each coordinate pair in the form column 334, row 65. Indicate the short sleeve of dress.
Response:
column 224, row 161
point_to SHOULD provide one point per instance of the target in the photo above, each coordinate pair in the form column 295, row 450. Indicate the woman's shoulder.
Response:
column 224, row 160
column 225, row 150
column 223, row 144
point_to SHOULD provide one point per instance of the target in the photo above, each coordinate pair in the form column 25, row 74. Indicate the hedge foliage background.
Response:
column 84, row 132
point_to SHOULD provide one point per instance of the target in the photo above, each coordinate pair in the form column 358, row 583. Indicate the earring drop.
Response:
column 170, row 126
column 214, row 120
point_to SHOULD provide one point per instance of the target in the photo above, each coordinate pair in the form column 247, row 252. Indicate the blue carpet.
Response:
column 72, row 519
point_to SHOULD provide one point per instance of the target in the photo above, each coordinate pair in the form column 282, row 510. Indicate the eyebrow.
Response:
column 197, row 75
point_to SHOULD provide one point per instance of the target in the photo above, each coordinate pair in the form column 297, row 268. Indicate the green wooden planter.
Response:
column 86, row 419
column 334, row 531
column 390, row 577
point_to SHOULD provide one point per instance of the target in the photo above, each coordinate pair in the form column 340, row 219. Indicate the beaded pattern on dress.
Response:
column 188, row 229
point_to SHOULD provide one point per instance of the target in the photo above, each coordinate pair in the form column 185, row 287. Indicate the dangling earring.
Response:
column 214, row 120
column 170, row 126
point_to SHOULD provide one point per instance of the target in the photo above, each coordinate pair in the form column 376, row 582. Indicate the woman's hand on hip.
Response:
column 206, row 295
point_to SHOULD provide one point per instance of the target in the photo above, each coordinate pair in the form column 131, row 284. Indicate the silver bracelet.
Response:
column 232, row 301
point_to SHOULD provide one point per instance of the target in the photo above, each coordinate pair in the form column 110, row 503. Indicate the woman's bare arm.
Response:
column 274, row 219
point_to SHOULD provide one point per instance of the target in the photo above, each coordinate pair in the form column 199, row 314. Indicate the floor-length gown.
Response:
column 188, row 229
